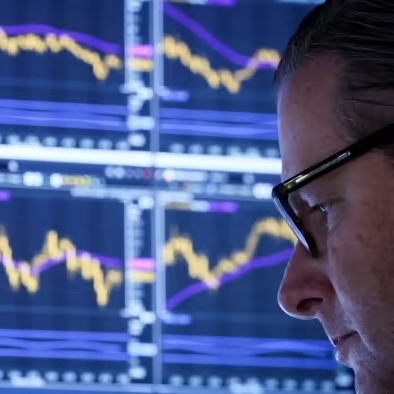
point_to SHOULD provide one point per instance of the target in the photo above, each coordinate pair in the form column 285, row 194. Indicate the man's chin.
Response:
column 367, row 382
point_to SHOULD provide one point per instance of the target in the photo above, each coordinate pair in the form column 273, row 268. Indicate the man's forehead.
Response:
column 309, row 128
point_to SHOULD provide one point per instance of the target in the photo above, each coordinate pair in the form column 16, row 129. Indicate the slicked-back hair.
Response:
column 359, row 35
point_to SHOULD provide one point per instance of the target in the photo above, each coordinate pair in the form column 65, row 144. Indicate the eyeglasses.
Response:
column 281, row 192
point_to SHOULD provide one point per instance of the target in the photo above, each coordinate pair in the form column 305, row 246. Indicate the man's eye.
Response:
column 325, row 207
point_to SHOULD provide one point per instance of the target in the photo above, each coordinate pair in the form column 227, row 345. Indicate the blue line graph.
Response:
column 112, row 118
column 271, row 362
column 89, row 40
column 74, row 345
column 246, row 351
column 199, row 287
column 200, row 31
column 60, row 114
column 246, row 346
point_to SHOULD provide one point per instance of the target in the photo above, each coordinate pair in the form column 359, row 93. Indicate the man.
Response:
column 335, row 86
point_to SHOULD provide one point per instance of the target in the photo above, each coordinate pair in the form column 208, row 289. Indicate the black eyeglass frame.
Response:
column 281, row 192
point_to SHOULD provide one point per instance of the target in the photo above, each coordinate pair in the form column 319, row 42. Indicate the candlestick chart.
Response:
column 223, row 271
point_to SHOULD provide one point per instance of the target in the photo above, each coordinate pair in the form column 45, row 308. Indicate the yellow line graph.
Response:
column 199, row 267
column 101, row 66
column 172, row 49
column 178, row 50
column 56, row 248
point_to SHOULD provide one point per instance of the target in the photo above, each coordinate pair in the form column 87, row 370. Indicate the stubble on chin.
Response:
column 367, row 382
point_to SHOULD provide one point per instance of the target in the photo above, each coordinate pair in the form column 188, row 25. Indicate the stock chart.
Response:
column 210, row 64
column 105, row 287
column 62, row 285
column 224, row 266
column 51, row 50
column 222, row 57
column 62, row 71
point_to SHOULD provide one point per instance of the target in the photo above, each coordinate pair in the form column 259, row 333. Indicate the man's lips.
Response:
column 337, row 341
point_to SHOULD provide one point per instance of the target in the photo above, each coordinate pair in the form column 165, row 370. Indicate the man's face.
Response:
column 350, row 287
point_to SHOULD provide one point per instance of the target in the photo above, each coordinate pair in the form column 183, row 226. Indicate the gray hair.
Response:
column 360, row 35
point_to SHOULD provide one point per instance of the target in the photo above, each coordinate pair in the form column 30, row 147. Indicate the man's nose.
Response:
column 305, row 285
